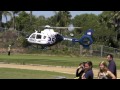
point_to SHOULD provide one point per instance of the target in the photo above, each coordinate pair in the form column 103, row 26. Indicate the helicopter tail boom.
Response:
column 71, row 39
column 86, row 40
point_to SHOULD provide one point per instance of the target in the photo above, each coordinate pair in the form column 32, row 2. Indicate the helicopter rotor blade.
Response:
column 61, row 27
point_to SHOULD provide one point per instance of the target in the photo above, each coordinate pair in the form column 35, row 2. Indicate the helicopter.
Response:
column 48, row 37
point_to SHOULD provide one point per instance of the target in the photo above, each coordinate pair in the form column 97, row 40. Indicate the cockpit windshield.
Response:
column 33, row 36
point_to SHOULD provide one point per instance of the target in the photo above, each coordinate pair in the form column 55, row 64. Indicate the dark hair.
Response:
column 89, row 63
column 110, row 55
column 82, row 63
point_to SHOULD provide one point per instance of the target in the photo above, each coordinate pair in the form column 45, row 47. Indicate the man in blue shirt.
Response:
column 112, row 65
column 88, row 74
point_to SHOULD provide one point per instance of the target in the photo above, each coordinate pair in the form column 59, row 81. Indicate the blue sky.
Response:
column 51, row 13
column 73, row 13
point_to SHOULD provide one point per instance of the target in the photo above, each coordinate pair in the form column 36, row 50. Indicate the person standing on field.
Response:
column 80, row 70
column 112, row 64
column 9, row 49
column 104, row 73
column 88, row 72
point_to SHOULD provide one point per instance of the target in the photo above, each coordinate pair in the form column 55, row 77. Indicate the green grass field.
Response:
column 52, row 60
column 8, row 73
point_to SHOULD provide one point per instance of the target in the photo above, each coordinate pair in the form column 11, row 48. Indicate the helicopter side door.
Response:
column 41, row 39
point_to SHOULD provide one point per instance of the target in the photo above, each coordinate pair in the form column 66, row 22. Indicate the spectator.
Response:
column 112, row 64
column 80, row 70
column 9, row 49
column 88, row 72
column 104, row 73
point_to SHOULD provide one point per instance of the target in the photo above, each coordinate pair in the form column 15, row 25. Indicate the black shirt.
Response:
column 79, row 74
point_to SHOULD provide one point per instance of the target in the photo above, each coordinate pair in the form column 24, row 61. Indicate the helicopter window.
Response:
column 33, row 36
column 44, row 37
column 38, row 37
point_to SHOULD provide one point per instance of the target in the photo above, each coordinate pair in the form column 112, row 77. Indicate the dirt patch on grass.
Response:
column 68, row 70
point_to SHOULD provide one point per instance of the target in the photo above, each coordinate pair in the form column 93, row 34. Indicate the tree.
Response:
column 42, row 21
column 62, row 18
column 86, row 21
column 23, row 22
column 13, row 14
column 24, row 28
column 5, row 14
column 111, row 20
column 115, row 21
column 30, row 17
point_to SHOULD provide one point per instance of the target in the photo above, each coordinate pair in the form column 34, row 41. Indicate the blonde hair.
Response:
column 105, row 66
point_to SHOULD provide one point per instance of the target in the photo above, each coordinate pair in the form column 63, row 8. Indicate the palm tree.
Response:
column 30, row 17
column 5, row 14
column 55, row 18
column 62, row 18
column 13, row 14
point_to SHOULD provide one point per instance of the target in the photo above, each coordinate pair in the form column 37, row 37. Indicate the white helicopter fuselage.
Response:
column 47, row 36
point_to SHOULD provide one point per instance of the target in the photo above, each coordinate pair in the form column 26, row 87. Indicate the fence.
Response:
column 78, row 50
column 101, row 50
